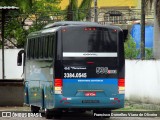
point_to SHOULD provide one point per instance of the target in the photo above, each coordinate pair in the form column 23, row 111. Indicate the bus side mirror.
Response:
column 19, row 60
column 19, row 57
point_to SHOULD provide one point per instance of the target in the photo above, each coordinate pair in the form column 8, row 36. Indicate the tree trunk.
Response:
column 156, row 43
column 143, row 29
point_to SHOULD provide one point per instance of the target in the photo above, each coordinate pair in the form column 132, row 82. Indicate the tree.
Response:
column 39, row 10
column 75, row 13
column 131, row 52
column 156, row 48
column 24, row 5
column 72, row 10
column 84, row 9
column 15, row 31
column 14, row 27
column 45, row 10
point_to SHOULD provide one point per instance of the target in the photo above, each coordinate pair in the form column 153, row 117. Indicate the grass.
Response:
column 135, row 106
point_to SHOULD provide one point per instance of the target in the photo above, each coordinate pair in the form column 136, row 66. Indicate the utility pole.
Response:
column 2, row 33
column 4, row 10
column 143, row 29
column 95, row 11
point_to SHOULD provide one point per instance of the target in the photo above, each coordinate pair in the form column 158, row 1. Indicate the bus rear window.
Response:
column 89, row 41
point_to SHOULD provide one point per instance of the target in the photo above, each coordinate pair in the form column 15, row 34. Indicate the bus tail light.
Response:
column 58, row 83
column 90, row 29
column 121, row 86
column 90, row 62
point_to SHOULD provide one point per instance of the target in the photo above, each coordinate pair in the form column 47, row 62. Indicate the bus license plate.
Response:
column 90, row 93
column 90, row 101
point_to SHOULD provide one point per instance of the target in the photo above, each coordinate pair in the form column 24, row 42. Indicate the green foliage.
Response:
column 131, row 52
column 16, row 31
column 84, row 9
column 72, row 10
column 75, row 13
column 36, row 27
column 45, row 6
column 8, row 2
column 15, row 27
column 130, row 48
column 24, row 5
column 148, row 53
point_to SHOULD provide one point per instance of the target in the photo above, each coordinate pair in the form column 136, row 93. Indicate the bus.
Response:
column 74, row 66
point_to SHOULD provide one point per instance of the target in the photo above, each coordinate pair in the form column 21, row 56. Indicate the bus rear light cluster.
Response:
column 114, row 30
column 90, row 28
column 90, row 62
column 121, row 86
column 58, row 83
column 64, row 30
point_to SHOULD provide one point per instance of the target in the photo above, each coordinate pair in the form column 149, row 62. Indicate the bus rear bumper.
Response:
column 89, row 102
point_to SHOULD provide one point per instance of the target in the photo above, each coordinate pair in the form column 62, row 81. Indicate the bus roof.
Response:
column 66, row 23
column 53, row 27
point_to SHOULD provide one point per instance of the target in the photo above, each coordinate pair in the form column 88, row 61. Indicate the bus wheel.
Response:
column 82, row 111
column 48, row 114
column 106, row 113
column 35, row 109
column 57, row 114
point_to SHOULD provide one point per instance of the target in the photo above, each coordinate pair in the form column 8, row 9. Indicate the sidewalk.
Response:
column 129, row 106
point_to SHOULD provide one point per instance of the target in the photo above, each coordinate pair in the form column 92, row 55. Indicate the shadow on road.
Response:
column 79, row 116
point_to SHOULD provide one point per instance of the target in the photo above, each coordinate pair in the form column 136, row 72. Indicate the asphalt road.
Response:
column 82, row 116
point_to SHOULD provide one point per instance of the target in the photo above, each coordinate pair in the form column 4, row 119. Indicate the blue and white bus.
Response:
column 74, row 66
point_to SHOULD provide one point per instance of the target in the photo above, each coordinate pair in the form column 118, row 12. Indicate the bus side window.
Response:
column 53, row 45
column 50, row 46
column 46, row 46
column 28, row 49
column 41, row 47
column 33, row 48
column 36, row 48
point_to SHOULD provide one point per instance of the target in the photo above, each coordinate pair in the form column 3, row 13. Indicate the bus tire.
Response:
column 82, row 111
column 48, row 114
column 57, row 114
column 35, row 109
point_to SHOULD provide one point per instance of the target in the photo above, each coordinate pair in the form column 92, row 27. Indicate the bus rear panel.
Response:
column 90, row 71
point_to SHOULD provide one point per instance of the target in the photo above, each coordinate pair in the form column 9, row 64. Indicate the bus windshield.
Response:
column 89, row 40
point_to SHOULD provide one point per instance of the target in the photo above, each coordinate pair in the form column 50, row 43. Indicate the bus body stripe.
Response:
column 89, row 54
column 92, row 81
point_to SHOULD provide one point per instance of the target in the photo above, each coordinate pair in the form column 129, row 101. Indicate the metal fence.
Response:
column 105, row 16
column 122, row 16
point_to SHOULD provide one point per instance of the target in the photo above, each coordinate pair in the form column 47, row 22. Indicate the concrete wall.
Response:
column 143, row 81
column 12, row 71
column 11, row 93
column 11, row 89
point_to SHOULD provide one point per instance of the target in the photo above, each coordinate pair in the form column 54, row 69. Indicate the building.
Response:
column 109, row 10
column 107, row 3
column 115, row 11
